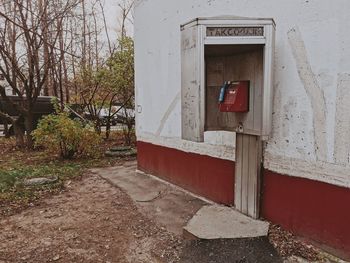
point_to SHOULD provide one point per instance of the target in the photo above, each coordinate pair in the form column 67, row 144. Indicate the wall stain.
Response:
column 342, row 120
column 276, row 123
column 313, row 91
column 167, row 113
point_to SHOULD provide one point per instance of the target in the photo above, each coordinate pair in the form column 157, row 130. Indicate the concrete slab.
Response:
column 173, row 208
column 164, row 203
column 219, row 222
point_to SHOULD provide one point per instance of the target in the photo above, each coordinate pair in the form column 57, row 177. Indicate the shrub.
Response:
column 68, row 137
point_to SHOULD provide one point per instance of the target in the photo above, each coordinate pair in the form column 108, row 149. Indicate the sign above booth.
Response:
column 234, row 31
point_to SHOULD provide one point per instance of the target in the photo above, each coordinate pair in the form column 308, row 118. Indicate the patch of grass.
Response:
column 11, row 178
column 14, row 194
column 17, row 165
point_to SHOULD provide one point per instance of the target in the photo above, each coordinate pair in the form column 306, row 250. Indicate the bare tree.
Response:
column 27, row 56
column 54, row 47
column 125, row 10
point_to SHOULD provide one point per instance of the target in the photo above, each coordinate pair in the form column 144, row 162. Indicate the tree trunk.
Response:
column 108, row 128
column 44, row 27
column 83, row 59
column 98, row 126
column 19, row 133
column 6, row 129
column 28, row 124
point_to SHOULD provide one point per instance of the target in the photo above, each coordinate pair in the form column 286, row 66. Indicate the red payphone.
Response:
column 234, row 96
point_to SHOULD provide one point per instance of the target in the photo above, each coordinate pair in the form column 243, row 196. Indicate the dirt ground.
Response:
column 94, row 221
column 91, row 221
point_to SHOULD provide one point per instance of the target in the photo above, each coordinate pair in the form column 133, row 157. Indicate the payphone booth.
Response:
column 227, row 84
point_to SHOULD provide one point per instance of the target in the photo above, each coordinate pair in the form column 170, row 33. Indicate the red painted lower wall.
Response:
column 308, row 208
column 210, row 177
column 312, row 209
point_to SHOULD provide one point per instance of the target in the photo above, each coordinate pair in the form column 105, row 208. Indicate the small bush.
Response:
column 68, row 137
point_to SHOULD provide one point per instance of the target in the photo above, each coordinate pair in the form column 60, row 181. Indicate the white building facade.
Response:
column 306, row 170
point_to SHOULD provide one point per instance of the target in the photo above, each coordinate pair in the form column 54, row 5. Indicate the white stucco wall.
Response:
column 311, row 120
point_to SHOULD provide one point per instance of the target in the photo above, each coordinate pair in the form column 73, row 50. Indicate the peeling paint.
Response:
column 226, row 152
column 167, row 113
column 318, row 171
column 313, row 90
column 342, row 125
column 277, row 97
column 286, row 118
